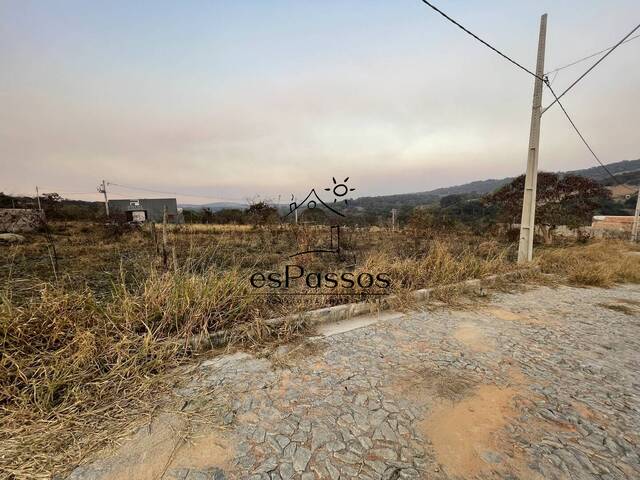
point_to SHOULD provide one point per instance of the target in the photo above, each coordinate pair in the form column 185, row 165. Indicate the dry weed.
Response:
column 85, row 356
column 599, row 264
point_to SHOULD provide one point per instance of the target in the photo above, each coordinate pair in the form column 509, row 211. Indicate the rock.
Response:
column 347, row 457
column 20, row 220
column 491, row 457
column 259, row 434
column 365, row 442
column 11, row 238
column 336, row 446
column 282, row 440
column 289, row 451
column 286, row 471
column 320, row 436
column 301, row 459
column 348, row 471
column 268, row 465
column 385, row 453
column 208, row 474
column 334, row 473
column 178, row 473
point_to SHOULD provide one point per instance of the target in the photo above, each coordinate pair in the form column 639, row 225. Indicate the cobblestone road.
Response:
column 543, row 384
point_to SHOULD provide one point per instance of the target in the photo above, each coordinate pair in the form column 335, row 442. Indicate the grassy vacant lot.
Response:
column 86, row 340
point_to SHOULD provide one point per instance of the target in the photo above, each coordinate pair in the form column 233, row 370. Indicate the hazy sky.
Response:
column 233, row 99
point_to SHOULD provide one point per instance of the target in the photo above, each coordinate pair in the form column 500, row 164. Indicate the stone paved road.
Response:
column 543, row 384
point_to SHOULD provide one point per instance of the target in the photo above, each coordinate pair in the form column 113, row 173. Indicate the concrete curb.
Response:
column 349, row 310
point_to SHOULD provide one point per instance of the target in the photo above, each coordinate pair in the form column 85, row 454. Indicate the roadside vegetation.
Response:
column 596, row 264
column 94, row 316
column 87, row 338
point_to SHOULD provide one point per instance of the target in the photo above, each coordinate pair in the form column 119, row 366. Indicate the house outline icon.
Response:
column 293, row 206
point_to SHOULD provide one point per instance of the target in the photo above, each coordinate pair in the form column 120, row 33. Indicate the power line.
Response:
column 608, row 50
column 481, row 40
column 47, row 189
column 555, row 70
column 174, row 193
column 546, row 80
column 591, row 67
column 557, row 99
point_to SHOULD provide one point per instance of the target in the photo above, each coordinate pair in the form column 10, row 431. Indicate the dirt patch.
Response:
column 203, row 450
column 152, row 452
column 288, row 356
column 466, row 435
column 425, row 385
column 583, row 410
column 509, row 316
column 471, row 335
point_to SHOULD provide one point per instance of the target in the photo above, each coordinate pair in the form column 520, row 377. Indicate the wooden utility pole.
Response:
column 102, row 188
column 635, row 231
column 38, row 197
column 527, row 221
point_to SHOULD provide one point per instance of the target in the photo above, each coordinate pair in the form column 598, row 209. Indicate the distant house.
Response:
column 614, row 223
column 146, row 209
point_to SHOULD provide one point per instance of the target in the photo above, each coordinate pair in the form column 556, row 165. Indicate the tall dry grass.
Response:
column 442, row 263
column 599, row 264
column 85, row 355
column 73, row 364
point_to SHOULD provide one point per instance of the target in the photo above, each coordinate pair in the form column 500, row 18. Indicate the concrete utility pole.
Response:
column 393, row 219
column 38, row 197
column 527, row 221
column 635, row 231
column 102, row 188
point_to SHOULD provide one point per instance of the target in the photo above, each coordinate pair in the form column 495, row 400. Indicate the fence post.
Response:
column 164, row 239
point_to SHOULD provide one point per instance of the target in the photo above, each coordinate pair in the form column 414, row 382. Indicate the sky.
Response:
column 232, row 100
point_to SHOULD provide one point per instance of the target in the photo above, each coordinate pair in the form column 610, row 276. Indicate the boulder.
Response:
column 20, row 220
column 11, row 238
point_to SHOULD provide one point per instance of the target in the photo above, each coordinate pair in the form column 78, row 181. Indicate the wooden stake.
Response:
column 154, row 237
column 164, row 239
column 175, row 259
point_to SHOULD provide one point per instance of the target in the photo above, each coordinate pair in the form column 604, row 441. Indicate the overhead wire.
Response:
column 564, row 110
column 546, row 80
column 591, row 68
column 142, row 189
column 481, row 40
column 555, row 70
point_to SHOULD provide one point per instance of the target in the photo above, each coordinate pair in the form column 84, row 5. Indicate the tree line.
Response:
column 569, row 200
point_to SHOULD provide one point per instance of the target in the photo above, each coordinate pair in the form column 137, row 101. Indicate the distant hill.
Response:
column 619, row 169
column 214, row 206
column 626, row 171
column 369, row 208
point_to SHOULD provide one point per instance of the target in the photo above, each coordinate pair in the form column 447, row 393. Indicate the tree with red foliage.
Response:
column 560, row 200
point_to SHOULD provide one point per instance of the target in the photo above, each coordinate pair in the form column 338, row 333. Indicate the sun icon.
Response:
column 340, row 189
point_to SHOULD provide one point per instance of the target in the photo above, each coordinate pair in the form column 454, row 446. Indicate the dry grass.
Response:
column 208, row 228
column 86, row 354
column 599, row 264
column 72, row 364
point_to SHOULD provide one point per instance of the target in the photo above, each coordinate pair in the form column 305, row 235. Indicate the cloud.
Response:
column 395, row 120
